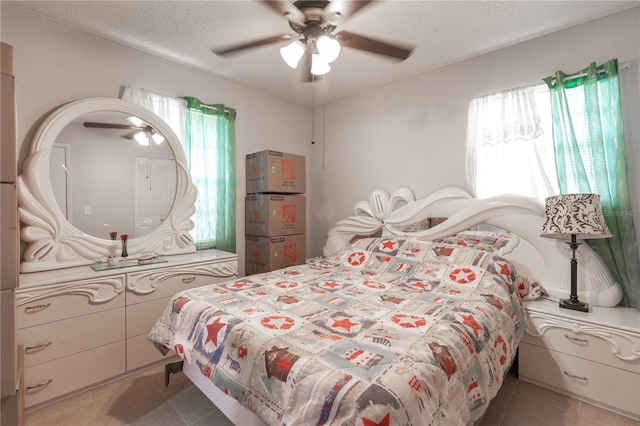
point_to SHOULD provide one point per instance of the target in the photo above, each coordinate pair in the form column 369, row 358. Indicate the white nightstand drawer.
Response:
column 52, row 379
column 43, row 343
column 597, row 382
column 583, row 345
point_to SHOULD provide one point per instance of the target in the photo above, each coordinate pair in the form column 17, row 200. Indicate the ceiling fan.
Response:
column 140, row 131
column 314, row 21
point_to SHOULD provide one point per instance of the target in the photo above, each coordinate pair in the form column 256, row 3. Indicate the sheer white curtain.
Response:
column 171, row 110
column 510, row 145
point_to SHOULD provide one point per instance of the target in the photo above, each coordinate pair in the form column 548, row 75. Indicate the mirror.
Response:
column 83, row 180
column 109, row 174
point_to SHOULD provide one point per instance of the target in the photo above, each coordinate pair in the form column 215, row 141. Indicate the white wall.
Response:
column 412, row 132
column 55, row 64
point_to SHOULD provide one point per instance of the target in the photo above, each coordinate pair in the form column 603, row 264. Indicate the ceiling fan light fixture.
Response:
column 318, row 65
column 141, row 138
column 328, row 48
column 157, row 138
column 292, row 53
column 135, row 121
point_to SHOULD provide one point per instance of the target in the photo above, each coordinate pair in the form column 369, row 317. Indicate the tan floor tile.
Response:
column 177, row 383
column 531, row 412
column 80, row 415
column 162, row 415
column 538, row 395
column 79, row 405
column 605, row 417
column 214, row 418
column 117, row 387
column 501, row 401
column 124, row 402
column 79, row 419
column 492, row 417
column 191, row 404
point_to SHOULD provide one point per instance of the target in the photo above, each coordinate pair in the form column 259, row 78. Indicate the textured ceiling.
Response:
column 443, row 32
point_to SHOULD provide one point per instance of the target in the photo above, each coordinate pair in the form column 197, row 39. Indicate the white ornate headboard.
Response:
column 540, row 259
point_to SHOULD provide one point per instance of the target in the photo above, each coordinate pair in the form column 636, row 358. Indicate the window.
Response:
column 207, row 133
column 510, row 145
column 210, row 149
column 512, row 148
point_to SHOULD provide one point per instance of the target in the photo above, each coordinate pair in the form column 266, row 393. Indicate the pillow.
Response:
column 415, row 227
column 422, row 225
column 376, row 234
column 496, row 242
column 528, row 290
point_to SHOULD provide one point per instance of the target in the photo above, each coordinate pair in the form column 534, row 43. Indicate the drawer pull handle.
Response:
column 188, row 280
column 38, row 387
column 37, row 348
column 36, row 308
column 577, row 378
column 576, row 340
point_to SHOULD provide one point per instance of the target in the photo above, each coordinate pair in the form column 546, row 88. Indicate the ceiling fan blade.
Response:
column 287, row 9
column 108, row 125
column 256, row 43
column 130, row 135
column 356, row 41
column 345, row 8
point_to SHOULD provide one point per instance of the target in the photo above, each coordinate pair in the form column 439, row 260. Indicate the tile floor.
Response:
column 142, row 399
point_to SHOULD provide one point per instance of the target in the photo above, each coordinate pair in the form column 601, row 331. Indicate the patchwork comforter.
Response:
column 389, row 331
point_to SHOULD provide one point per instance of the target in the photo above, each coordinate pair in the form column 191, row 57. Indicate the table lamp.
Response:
column 569, row 217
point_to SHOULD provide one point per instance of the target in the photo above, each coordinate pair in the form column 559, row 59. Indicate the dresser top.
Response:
column 618, row 317
column 86, row 272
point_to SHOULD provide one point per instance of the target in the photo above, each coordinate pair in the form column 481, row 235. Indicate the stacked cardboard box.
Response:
column 275, row 211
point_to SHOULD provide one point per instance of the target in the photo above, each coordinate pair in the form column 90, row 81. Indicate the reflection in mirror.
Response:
column 112, row 172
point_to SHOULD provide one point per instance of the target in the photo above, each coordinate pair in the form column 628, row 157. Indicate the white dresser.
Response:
column 592, row 356
column 80, row 327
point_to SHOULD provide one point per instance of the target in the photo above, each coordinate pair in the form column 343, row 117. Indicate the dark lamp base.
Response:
column 575, row 305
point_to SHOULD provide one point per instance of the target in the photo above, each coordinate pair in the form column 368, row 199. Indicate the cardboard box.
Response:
column 264, row 254
column 275, row 172
column 270, row 215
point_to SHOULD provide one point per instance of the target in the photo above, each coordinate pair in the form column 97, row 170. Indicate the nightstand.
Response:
column 592, row 356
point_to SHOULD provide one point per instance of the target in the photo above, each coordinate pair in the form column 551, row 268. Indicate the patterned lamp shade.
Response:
column 574, row 214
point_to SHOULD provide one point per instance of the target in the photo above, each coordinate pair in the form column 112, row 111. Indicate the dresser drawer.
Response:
column 55, row 378
column 597, row 345
column 140, row 352
column 160, row 283
column 142, row 316
column 56, row 302
column 43, row 343
column 597, row 382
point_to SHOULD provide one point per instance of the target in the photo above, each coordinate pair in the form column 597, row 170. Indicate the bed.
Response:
column 412, row 316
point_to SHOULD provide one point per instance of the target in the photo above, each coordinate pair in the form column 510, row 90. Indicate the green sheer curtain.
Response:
column 210, row 148
column 590, row 157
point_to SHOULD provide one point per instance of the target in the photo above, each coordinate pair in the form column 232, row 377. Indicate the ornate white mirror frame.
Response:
column 52, row 242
